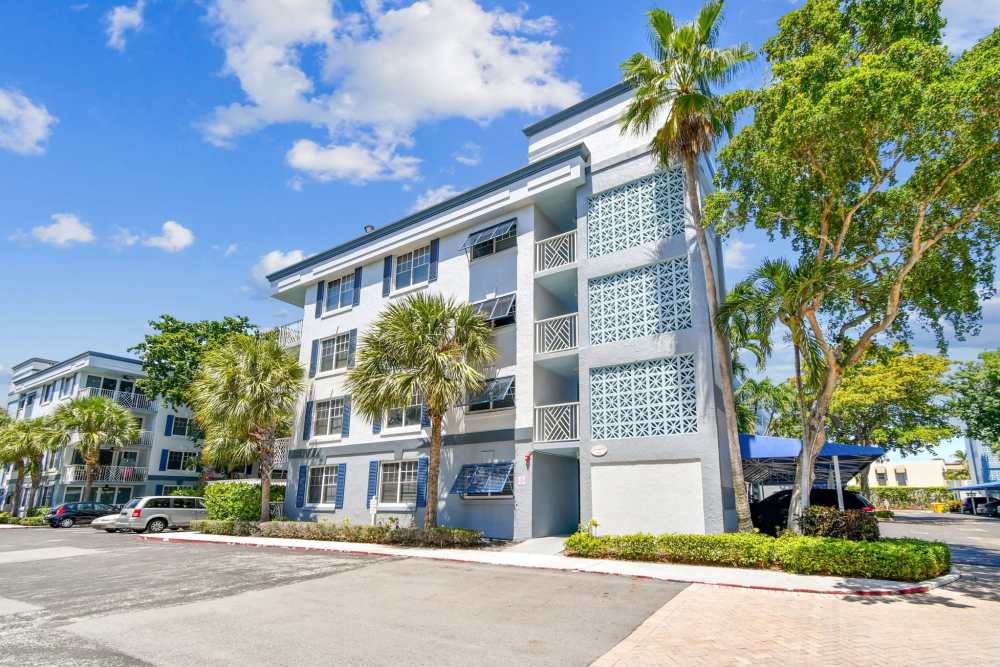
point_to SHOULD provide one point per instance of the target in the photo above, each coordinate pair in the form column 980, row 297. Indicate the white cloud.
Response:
column 24, row 125
column 449, row 59
column 65, row 230
column 230, row 250
column 736, row 254
column 175, row 237
column 120, row 21
column 968, row 22
column 470, row 155
column 296, row 183
column 124, row 238
column 433, row 196
column 269, row 263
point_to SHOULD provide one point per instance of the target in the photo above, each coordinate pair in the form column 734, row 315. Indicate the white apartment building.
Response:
column 603, row 403
column 163, row 458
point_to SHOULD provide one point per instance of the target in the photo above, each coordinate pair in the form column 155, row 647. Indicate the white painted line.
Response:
column 28, row 555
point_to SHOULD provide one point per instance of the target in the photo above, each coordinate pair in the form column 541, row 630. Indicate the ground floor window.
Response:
column 72, row 494
column 111, row 495
column 398, row 482
column 323, row 485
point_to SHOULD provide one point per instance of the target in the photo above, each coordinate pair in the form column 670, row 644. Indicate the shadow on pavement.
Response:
column 976, row 582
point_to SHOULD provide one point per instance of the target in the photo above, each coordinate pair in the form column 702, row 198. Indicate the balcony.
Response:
column 78, row 473
column 555, row 334
column 281, row 446
column 555, row 251
column 126, row 399
column 289, row 335
column 559, row 422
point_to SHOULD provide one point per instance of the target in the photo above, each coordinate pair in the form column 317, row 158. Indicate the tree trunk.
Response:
column 266, row 463
column 88, row 480
column 36, row 481
column 18, row 487
column 722, row 354
column 798, row 502
column 430, row 515
column 866, row 488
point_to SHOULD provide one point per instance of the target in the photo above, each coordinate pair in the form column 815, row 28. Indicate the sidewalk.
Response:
column 694, row 574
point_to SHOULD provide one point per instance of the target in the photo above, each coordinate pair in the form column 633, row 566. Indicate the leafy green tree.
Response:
column 425, row 346
column 171, row 357
column 977, row 398
column 673, row 89
column 18, row 444
column 97, row 423
column 877, row 155
column 244, row 397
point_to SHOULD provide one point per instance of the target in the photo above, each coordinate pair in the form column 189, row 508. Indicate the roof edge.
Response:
column 88, row 353
column 28, row 361
column 582, row 105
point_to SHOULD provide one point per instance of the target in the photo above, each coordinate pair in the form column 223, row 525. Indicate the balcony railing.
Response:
column 555, row 251
column 557, row 423
column 556, row 333
column 126, row 399
column 281, row 452
column 78, row 473
column 289, row 335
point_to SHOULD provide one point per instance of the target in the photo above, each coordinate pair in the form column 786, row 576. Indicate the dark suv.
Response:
column 69, row 514
column 771, row 514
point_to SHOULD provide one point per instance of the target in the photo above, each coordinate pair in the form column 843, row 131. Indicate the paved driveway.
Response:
column 78, row 597
column 974, row 540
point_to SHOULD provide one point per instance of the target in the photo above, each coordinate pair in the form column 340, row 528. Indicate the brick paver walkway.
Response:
column 713, row 625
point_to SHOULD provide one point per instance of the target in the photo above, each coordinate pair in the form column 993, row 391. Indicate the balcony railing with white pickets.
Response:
column 556, row 333
column 126, row 399
column 289, row 335
column 555, row 251
column 78, row 473
column 559, row 422
column 281, row 452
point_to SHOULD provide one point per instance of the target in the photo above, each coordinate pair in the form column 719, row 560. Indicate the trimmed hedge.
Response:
column 442, row 536
column 831, row 522
column 898, row 560
column 237, row 501
column 907, row 497
column 7, row 518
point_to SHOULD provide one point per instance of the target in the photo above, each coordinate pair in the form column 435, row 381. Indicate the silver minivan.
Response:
column 157, row 513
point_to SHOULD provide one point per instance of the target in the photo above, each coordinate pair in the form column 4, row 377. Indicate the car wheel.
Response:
column 156, row 526
column 110, row 530
column 67, row 523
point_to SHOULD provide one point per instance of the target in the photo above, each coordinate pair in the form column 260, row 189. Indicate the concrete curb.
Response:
column 765, row 580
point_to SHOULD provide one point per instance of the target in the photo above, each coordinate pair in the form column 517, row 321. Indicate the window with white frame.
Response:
column 491, row 240
column 323, row 485
column 180, row 426
column 398, row 482
column 413, row 268
column 333, row 352
column 182, row 460
column 405, row 415
column 66, row 386
column 48, row 391
column 328, row 417
column 340, row 293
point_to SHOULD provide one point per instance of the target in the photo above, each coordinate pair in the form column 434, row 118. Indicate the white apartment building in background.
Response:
column 603, row 401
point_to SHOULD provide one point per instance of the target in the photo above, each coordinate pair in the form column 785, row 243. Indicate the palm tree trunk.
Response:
column 88, row 479
column 18, row 487
column 36, row 481
column 722, row 353
column 433, row 471
column 266, row 463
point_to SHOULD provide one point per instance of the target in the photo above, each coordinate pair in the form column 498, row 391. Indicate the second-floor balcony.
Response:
column 289, row 335
column 555, row 334
column 555, row 251
column 121, row 473
column 126, row 399
column 559, row 422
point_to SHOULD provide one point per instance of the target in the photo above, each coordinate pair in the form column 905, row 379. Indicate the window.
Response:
column 407, row 415
column 73, row 494
column 158, row 503
column 334, row 352
column 93, row 382
column 169, row 488
column 413, row 267
column 498, row 310
column 323, row 485
column 279, row 474
column 48, row 391
column 66, row 386
column 340, row 293
column 496, row 394
column 485, row 480
column 491, row 240
column 881, row 478
column 328, row 418
column 180, row 426
column 182, row 460
column 398, row 482
column 900, row 479
column 184, row 503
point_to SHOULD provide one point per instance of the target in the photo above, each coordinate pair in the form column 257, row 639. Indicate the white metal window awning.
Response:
column 496, row 389
column 482, row 478
column 488, row 234
column 497, row 308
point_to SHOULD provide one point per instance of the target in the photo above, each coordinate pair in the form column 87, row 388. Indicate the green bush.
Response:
column 192, row 492
column 6, row 517
column 884, row 514
column 831, row 522
column 237, row 501
column 907, row 497
column 441, row 537
column 225, row 527
column 900, row 560
column 32, row 521
column 40, row 511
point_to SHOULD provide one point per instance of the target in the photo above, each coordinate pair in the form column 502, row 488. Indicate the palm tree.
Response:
column 244, row 398
column 49, row 437
column 97, row 422
column 428, row 346
column 755, row 398
column 676, row 85
column 959, row 455
column 24, row 443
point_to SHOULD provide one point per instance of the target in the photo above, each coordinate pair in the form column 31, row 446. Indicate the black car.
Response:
column 771, row 514
column 984, row 506
column 70, row 514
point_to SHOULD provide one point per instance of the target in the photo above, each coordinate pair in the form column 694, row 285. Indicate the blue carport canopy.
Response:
column 771, row 461
column 988, row 486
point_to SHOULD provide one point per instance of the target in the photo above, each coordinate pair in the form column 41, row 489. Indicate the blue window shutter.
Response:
column 425, row 419
column 159, row 490
column 341, row 476
column 357, row 286
column 372, row 482
column 352, row 347
column 432, row 271
column 307, row 420
column 422, row 481
column 320, row 289
column 169, row 426
column 300, row 490
column 163, row 459
column 313, row 358
column 377, row 425
column 345, row 429
column 386, row 275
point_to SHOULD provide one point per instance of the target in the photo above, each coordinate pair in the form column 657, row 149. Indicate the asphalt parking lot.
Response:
column 81, row 597
column 974, row 540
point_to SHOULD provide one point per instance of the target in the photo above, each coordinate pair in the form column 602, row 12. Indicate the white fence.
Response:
column 556, row 333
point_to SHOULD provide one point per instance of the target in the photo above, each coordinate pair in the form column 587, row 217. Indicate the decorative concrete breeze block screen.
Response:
column 646, row 301
column 648, row 209
column 643, row 399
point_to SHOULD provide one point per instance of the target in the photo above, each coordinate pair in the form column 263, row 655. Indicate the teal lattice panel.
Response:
column 646, row 301
column 645, row 210
column 643, row 399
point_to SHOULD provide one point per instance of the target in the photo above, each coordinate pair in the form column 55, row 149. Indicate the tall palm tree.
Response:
column 49, row 437
column 757, row 398
column 97, row 422
column 959, row 455
column 24, row 443
column 425, row 345
column 676, row 86
column 244, row 398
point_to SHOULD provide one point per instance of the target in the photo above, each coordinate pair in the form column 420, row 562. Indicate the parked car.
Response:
column 108, row 522
column 984, row 506
column 70, row 514
column 157, row 513
column 771, row 514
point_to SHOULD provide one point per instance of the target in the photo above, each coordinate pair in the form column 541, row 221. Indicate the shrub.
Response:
column 225, row 527
column 40, row 511
column 6, row 517
column 884, row 514
column 237, row 501
column 441, row 537
column 192, row 492
column 908, row 497
column 831, row 522
column 32, row 521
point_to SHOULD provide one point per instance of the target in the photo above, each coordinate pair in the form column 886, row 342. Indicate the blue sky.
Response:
column 159, row 156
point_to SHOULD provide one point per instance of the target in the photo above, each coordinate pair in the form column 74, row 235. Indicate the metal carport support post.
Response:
column 836, row 477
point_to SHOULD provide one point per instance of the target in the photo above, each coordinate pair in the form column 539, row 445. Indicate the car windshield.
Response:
column 132, row 503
